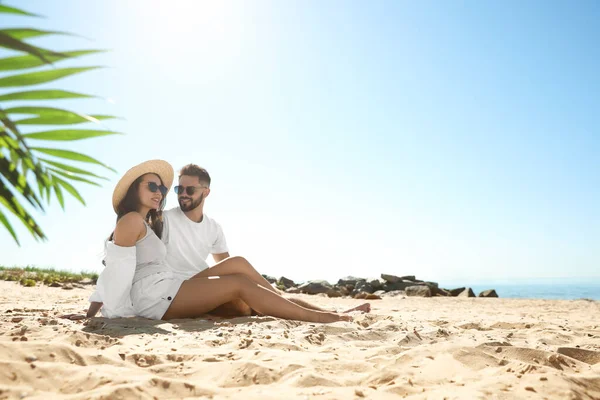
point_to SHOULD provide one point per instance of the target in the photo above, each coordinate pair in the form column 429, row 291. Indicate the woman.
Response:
column 137, row 280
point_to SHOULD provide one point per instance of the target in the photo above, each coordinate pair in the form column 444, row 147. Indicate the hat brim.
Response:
column 159, row 167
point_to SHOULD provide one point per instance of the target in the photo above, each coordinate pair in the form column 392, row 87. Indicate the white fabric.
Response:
column 114, row 283
column 189, row 243
column 152, row 295
column 125, row 267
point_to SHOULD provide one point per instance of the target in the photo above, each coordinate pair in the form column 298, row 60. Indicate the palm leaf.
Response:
column 53, row 116
column 71, row 155
column 10, row 42
column 8, row 200
column 71, row 169
column 26, row 33
column 13, row 10
column 59, row 194
column 8, row 227
column 32, row 61
column 72, row 176
column 68, row 134
column 19, row 181
column 52, row 94
column 69, row 188
column 36, row 78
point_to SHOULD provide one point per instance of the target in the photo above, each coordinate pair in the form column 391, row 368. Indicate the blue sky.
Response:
column 451, row 140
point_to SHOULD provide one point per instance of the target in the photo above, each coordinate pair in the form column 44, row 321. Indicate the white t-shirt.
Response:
column 189, row 243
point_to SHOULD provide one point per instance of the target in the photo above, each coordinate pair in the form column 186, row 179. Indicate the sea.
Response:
column 536, row 290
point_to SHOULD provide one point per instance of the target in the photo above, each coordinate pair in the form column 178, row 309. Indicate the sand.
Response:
column 422, row 348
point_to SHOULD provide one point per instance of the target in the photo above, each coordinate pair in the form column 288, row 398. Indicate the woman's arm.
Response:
column 114, row 283
column 93, row 310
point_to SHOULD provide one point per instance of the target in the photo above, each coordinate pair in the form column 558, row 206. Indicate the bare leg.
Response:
column 236, row 265
column 365, row 307
column 239, row 265
column 232, row 309
column 200, row 295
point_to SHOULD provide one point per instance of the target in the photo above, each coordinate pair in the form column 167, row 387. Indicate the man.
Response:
column 190, row 236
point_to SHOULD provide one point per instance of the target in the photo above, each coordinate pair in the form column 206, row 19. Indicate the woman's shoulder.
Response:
column 130, row 228
column 131, row 218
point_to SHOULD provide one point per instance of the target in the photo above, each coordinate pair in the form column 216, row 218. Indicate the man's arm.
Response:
column 220, row 256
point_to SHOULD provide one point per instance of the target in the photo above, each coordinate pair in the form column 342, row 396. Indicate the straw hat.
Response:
column 159, row 167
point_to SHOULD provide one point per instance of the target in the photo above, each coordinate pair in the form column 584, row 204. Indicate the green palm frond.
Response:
column 26, row 174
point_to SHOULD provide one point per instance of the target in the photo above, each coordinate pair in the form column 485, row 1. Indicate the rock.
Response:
column 343, row 290
column 421, row 291
column 390, row 278
column 270, row 279
column 285, row 282
column 362, row 286
column 17, row 319
column 432, row 285
column 372, row 296
column 350, row 280
column 67, row 286
column 379, row 292
column 394, row 278
column 468, row 292
column 388, row 287
column 457, row 291
column 87, row 281
column 30, row 359
column 334, row 293
column 293, row 290
column 55, row 284
column 488, row 293
column 375, row 283
column 315, row 287
column 441, row 292
column 395, row 293
column 361, row 295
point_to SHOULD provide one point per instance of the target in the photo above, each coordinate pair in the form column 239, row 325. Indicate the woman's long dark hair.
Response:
column 131, row 202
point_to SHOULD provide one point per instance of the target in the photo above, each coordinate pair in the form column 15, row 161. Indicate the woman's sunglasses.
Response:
column 154, row 187
column 190, row 190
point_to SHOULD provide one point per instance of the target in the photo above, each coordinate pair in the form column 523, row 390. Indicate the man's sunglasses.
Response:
column 190, row 190
column 154, row 187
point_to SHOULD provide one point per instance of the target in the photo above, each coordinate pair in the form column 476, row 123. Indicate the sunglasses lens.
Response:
column 190, row 190
column 153, row 187
column 163, row 190
column 178, row 189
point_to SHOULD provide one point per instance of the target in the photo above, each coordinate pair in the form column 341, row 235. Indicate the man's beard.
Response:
column 190, row 206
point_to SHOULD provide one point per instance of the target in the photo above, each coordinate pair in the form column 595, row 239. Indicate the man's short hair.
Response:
column 195, row 170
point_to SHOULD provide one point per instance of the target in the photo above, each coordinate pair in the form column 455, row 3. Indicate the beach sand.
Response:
column 422, row 348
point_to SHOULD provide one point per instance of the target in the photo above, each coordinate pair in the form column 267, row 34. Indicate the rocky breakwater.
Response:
column 375, row 288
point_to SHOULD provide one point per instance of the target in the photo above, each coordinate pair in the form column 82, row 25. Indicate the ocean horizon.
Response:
column 551, row 289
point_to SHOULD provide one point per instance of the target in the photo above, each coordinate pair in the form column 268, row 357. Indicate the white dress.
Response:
column 137, row 280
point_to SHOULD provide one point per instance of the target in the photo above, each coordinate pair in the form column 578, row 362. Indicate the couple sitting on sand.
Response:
column 155, row 264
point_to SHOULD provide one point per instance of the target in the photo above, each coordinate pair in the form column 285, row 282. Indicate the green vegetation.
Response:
column 30, row 276
column 30, row 174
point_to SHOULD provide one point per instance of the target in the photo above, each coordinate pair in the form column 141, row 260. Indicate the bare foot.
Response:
column 328, row 317
column 366, row 307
